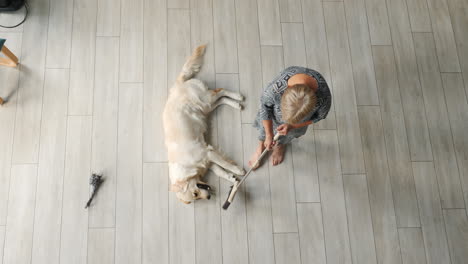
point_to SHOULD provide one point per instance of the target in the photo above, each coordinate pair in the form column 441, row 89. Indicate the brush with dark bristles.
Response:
column 95, row 181
column 234, row 188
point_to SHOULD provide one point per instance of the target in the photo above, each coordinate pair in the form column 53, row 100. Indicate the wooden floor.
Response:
column 384, row 179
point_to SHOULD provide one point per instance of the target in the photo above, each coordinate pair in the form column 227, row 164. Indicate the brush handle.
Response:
column 235, row 187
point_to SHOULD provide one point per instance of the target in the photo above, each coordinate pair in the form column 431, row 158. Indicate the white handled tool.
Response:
column 237, row 184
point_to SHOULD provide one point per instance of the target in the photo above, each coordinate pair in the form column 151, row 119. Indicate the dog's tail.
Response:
column 192, row 65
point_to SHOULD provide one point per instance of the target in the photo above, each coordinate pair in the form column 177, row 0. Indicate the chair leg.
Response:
column 11, row 60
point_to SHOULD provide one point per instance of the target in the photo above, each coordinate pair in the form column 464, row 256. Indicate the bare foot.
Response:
column 256, row 155
column 278, row 154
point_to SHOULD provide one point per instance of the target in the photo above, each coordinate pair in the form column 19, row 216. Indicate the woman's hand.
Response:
column 284, row 129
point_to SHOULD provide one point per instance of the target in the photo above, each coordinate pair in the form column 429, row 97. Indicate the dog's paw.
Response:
column 238, row 106
column 239, row 97
column 232, row 178
column 239, row 171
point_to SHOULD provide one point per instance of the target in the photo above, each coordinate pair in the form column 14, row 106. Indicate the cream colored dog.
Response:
column 185, row 123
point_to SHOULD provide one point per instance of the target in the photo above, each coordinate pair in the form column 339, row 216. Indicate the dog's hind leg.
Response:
column 227, row 101
column 220, row 92
column 218, row 159
column 220, row 172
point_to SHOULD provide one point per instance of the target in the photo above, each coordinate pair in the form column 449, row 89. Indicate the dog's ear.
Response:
column 179, row 187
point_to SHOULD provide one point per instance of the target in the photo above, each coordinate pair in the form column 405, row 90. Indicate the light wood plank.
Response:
column 445, row 160
column 287, row 248
column 380, row 191
column 101, row 245
column 155, row 248
column 74, row 234
column 49, row 193
column 2, row 242
column 178, row 4
column 379, row 29
column 225, row 42
column 412, row 246
column 181, row 232
column 399, row 163
column 10, row 77
column 128, row 236
column 131, row 41
column 283, row 197
column 456, row 224
column 419, row 16
column 359, row 219
column 20, row 220
column 11, row 19
column 305, row 169
column 269, row 22
column 272, row 64
column 459, row 16
column 335, row 225
column 315, row 37
column 343, row 86
column 250, row 65
column 201, row 31
column 443, row 36
column 28, row 112
column 59, row 34
column 311, row 238
column 105, row 116
column 290, row 11
column 155, row 79
column 361, row 53
column 457, row 107
column 432, row 220
column 83, row 54
column 233, row 221
column 293, row 44
column 108, row 18
column 178, row 42
column 411, row 94
column 317, row 51
column 258, row 205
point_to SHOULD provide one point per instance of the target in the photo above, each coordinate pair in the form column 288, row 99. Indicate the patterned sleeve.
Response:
column 324, row 102
column 267, row 103
column 322, row 112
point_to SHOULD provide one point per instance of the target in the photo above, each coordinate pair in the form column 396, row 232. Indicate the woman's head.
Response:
column 297, row 102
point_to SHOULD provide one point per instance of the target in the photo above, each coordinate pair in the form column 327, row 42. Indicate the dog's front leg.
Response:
column 220, row 172
column 218, row 159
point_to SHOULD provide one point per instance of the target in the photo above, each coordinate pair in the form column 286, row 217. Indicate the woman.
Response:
column 295, row 99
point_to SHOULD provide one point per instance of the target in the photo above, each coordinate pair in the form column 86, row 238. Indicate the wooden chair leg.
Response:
column 11, row 60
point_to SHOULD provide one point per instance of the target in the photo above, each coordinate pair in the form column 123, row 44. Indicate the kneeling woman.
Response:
column 295, row 99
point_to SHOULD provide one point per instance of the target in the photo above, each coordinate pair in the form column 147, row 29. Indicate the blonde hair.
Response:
column 297, row 102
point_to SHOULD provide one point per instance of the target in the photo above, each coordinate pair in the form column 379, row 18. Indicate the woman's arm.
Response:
column 268, row 125
column 285, row 128
column 299, row 125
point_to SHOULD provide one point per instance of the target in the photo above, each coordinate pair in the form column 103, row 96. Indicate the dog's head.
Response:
column 190, row 187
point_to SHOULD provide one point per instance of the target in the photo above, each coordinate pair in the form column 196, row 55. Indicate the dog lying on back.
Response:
column 185, row 124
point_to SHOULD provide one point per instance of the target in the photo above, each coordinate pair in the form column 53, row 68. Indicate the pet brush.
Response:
column 235, row 187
